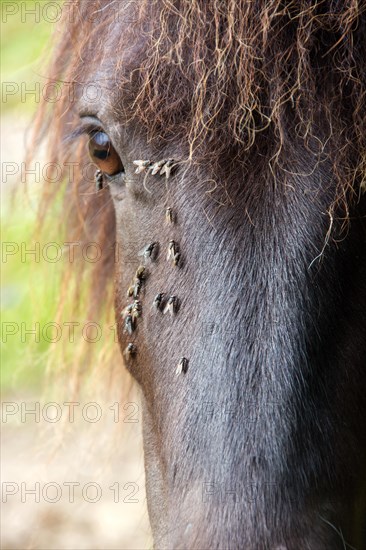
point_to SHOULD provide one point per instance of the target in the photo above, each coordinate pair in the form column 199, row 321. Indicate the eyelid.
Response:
column 88, row 125
column 91, row 123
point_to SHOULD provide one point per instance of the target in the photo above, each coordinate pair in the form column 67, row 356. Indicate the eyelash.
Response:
column 84, row 129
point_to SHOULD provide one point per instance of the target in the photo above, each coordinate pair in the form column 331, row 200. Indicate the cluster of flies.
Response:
column 162, row 303
column 161, row 167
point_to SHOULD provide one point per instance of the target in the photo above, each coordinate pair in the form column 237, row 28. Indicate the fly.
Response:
column 141, row 272
column 137, row 288
column 127, row 310
column 129, row 324
column 172, row 250
column 150, row 251
column 182, row 366
column 157, row 303
column 98, row 178
column 136, row 309
column 130, row 351
column 130, row 290
column 171, row 306
column 173, row 253
column 157, row 166
column 167, row 168
column 141, row 165
column 169, row 216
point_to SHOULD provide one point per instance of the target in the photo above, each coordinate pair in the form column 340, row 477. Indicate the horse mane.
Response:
column 218, row 76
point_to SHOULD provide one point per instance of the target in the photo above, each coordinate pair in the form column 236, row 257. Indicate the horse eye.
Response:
column 104, row 154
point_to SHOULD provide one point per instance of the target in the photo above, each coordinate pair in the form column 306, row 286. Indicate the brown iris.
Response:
column 104, row 154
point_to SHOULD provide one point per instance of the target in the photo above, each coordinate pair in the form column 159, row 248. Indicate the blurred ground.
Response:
column 86, row 454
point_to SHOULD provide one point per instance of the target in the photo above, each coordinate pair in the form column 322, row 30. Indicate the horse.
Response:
column 229, row 139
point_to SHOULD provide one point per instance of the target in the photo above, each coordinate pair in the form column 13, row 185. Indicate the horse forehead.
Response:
column 102, row 90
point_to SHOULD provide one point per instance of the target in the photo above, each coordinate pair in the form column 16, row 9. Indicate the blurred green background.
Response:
column 23, row 40
column 28, row 283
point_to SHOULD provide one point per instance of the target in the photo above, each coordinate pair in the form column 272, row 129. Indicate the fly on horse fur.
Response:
column 158, row 300
column 263, row 103
column 99, row 180
column 130, row 351
column 171, row 305
column 129, row 323
column 136, row 309
column 150, row 251
column 182, row 366
column 160, row 167
column 169, row 216
column 173, row 253
column 142, row 165
column 141, row 270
